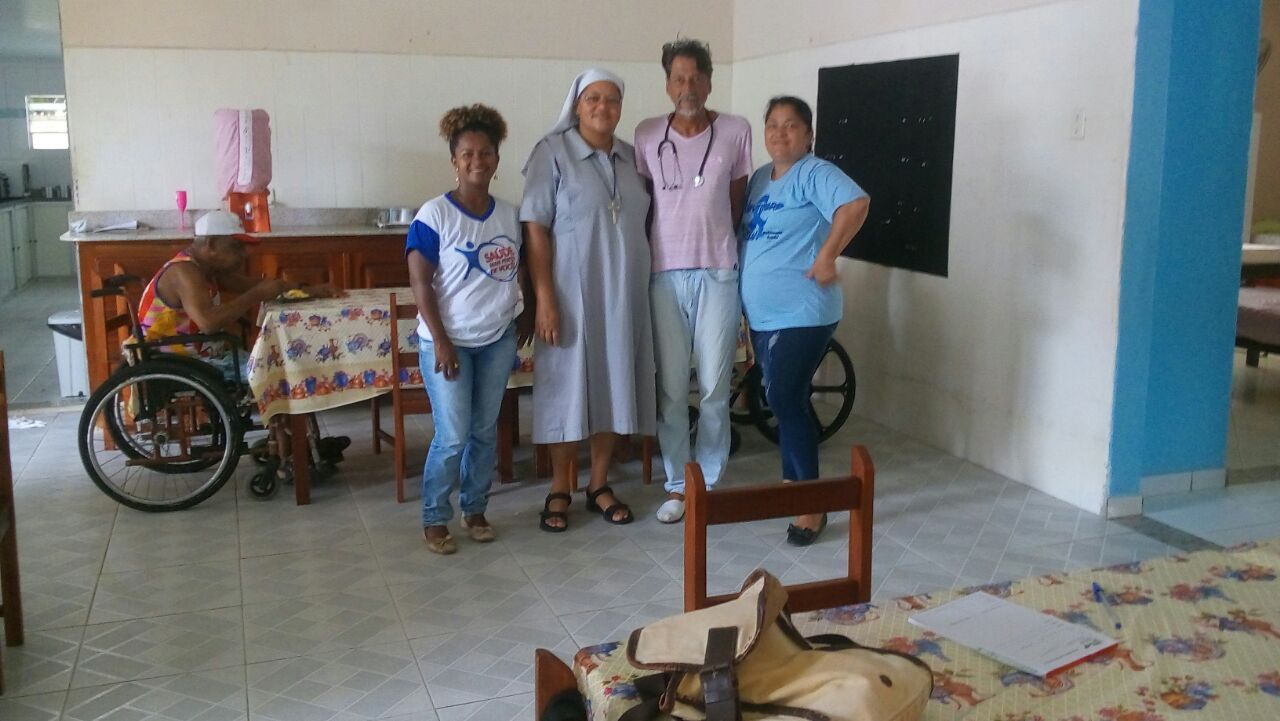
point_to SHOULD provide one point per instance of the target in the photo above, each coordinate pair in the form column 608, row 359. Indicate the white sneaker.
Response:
column 671, row 511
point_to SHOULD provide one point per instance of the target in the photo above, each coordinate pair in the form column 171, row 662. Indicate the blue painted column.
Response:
column 1180, row 268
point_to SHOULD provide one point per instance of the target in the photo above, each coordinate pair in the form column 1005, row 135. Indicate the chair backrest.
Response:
column 854, row 493
column 400, row 358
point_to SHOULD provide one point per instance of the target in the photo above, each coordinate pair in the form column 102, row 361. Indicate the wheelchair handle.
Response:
column 114, row 285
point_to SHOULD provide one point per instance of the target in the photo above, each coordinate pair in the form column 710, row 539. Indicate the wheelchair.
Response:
column 832, row 392
column 165, row 431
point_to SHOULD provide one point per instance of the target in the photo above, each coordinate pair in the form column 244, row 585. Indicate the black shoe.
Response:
column 330, row 448
column 798, row 536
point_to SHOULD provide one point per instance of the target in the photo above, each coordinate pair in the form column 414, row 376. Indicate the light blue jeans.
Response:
column 696, row 314
column 465, row 413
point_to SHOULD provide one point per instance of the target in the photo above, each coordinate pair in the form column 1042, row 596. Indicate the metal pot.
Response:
column 389, row 217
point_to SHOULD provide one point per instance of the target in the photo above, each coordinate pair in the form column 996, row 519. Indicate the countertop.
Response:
column 158, row 234
column 1258, row 254
column 9, row 203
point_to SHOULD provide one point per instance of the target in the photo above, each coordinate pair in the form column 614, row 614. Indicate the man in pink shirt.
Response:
column 698, row 161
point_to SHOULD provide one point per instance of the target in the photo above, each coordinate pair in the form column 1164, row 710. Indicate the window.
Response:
column 47, row 122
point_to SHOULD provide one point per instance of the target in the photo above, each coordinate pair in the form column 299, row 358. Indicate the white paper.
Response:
column 127, row 225
column 1011, row 634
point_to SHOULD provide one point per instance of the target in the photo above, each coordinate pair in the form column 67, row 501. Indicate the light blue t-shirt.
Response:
column 784, row 226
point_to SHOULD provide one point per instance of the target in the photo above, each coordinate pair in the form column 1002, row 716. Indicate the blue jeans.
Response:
column 788, row 359
column 465, row 413
column 696, row 314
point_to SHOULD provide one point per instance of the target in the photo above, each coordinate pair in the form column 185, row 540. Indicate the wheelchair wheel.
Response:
column 830, row 401
column 264, row 485
column 158, row 437
column 114, row 417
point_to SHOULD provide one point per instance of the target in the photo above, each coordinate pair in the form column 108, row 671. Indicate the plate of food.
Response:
column 297, row 295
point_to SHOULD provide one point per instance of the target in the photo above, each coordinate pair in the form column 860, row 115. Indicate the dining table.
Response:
column 317, row 354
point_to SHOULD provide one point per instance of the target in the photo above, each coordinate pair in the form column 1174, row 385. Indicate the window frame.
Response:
column 42, row 109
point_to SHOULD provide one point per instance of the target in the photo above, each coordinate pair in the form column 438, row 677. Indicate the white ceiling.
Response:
column 29, row 29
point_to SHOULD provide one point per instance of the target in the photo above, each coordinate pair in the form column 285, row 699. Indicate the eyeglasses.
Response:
column 593, row 99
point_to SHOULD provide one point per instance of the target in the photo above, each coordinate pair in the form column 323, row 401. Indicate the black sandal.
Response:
column 607, row 513
column 798, row 536
column 548, row 514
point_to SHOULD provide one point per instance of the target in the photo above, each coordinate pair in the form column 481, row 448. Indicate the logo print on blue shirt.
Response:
column 755, row 226
column 496, row 258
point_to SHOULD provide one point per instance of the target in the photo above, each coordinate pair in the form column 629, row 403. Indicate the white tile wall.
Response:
column 19, row 79
column 1009, row 361
column 348, row 129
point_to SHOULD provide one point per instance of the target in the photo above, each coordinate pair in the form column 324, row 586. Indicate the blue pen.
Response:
column 1105, row 601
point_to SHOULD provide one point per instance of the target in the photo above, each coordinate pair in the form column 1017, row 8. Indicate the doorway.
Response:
column 37, row 271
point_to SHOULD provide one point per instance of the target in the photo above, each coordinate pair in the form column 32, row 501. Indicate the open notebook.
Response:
column 1011, row 634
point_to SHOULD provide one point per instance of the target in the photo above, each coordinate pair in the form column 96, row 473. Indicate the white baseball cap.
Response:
column 223, row 222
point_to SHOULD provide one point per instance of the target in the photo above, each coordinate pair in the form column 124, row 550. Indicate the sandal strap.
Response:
column 568, row 500
column 593, row 495
column 619, row 506
column 553, row 514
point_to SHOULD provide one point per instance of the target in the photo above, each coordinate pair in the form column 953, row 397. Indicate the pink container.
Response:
column 242, row 140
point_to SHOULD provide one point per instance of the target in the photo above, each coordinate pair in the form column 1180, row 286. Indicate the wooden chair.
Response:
column 550, row 677
column 854, row 493
column 413, row 400
column 10, row 588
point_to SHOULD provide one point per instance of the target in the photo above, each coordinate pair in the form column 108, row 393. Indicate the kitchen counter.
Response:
column 296, row 231
column 340, row 246
column 8, row 203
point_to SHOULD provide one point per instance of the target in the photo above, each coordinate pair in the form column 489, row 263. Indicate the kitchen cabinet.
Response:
column 20, row 228
column 8, row 261
column 300, row 264
column 52, row 257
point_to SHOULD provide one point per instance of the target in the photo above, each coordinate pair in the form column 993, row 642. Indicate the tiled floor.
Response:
column 246, row 609
column 27, row 341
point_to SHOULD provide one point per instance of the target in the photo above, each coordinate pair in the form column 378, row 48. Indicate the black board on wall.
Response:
column 891, row 127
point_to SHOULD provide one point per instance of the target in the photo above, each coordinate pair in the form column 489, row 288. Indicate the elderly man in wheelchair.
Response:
column 166, row 430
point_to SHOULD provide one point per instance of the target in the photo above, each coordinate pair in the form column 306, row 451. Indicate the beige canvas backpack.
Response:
column 744, row 659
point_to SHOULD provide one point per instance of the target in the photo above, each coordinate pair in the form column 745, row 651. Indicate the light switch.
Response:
column 1077, row 124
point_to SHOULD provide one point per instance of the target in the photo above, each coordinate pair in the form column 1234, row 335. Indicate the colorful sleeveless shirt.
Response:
column 159, row 319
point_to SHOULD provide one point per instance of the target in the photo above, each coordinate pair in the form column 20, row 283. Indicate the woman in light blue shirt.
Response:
column 801, row 213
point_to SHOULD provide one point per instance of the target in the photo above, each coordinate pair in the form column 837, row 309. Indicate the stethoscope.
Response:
column 667, row 142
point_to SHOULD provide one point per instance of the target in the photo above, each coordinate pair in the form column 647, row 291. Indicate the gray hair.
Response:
column 696, row 50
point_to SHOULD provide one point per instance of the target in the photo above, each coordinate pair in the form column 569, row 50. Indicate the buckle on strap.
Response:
column 719, row 681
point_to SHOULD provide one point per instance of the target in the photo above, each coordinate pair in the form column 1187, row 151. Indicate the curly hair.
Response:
column 467, row 118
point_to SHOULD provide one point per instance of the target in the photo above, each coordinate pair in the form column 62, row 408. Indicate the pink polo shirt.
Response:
column 693, row 225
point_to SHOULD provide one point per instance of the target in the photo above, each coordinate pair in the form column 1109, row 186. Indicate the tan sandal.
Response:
column 443, row 545
column 479, row 534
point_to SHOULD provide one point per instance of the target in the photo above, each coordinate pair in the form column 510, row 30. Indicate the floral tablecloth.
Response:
column 1200, row 640
column 328, row 352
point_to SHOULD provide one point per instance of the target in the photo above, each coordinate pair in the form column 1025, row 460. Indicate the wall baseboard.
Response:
column 1121, row 506
column 1166, row 484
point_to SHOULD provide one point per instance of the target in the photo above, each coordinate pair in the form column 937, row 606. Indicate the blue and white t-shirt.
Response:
column 784, row 225
column 476, row 260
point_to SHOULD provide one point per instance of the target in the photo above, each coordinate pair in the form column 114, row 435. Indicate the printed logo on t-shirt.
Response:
column 755, row 226
column 496, row 258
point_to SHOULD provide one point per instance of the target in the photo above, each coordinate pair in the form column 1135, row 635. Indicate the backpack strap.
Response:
column 719, row 681
column 650, row 689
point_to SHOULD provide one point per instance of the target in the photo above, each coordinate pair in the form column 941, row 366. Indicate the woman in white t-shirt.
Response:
column 464, row 255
